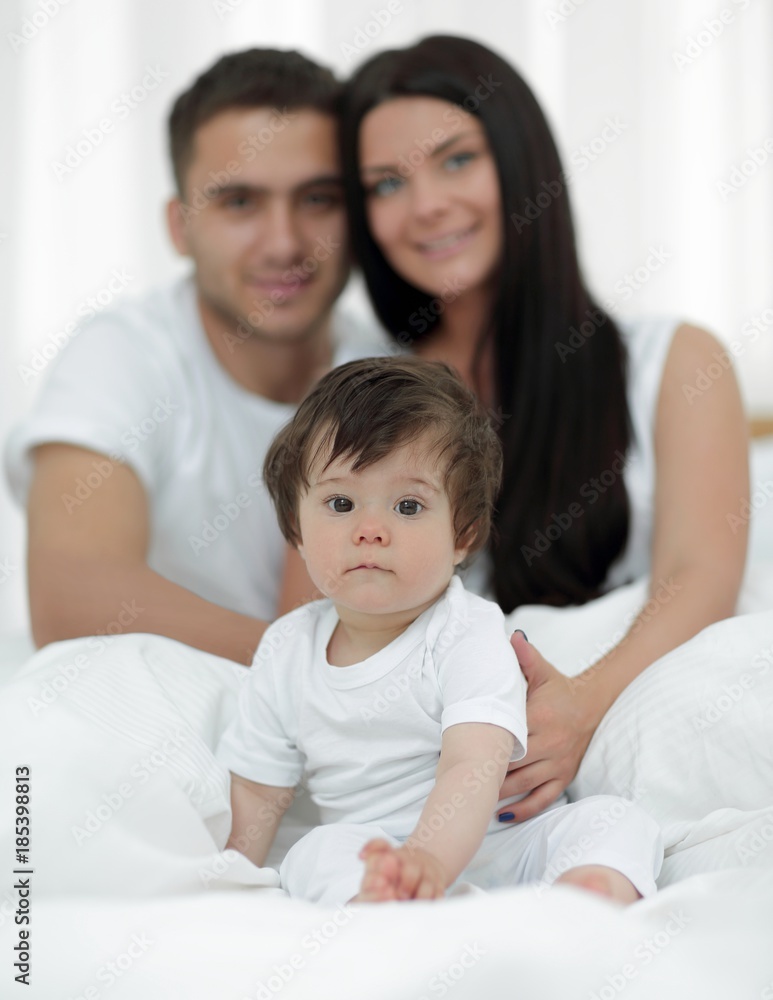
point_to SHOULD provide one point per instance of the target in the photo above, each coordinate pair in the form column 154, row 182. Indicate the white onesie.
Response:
column 365, row 739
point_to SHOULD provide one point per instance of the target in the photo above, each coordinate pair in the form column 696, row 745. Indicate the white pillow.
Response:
column 694, row 733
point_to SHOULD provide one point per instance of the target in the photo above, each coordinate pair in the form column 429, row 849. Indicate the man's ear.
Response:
column 177, row 226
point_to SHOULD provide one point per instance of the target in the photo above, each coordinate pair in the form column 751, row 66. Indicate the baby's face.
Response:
column 380, row 540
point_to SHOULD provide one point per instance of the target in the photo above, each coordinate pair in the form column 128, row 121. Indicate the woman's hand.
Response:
column 561, row 721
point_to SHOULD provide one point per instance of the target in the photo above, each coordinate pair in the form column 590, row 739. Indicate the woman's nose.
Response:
column 429, row 199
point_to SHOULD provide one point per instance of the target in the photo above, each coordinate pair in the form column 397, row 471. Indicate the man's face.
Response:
column 263, row 220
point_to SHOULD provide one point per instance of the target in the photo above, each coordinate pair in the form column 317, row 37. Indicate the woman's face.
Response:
column 432, row 191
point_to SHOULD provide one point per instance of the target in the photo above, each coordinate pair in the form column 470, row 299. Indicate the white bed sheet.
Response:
column 130, row 813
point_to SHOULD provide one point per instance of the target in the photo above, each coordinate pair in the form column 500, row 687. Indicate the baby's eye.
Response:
column 409, row 507
column 341, row 505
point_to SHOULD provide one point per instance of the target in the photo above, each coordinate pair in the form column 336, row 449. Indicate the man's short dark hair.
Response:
column 255, row 78
column 364, row 410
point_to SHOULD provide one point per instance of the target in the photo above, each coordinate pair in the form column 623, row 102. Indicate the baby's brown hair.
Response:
column 366, row 409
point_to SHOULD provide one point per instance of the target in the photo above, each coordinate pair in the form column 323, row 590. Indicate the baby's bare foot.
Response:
column 605, row 881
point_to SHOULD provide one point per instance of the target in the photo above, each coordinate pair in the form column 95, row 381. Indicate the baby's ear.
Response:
column 464, row 544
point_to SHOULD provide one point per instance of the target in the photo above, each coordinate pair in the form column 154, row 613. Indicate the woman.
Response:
column 613, row 468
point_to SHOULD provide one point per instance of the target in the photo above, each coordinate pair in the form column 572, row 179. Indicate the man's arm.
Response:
column 87, row 565
column 257, row 811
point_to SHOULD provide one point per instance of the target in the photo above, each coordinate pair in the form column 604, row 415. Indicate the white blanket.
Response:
column 128, row 802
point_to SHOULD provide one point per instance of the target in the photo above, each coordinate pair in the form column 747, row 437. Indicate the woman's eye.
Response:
column 409, row 507
column 386, row 186
column 458, row 160
column 341, row 505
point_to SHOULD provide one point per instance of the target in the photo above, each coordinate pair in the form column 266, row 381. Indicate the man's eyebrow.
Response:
column 435, row 152
column 236, row 188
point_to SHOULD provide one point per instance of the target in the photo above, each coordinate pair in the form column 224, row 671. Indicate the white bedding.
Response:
column 132, row 897
column 130, row 811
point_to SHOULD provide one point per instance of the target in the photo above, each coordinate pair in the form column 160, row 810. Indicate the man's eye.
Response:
column 341, row 505
column 409, row 507
column 322, row 199
column 237, row 201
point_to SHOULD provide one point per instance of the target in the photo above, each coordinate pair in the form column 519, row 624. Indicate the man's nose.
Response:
column 281, row 237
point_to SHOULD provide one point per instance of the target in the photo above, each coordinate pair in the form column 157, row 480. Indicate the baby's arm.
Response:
column 453, row 822
column 257, row 811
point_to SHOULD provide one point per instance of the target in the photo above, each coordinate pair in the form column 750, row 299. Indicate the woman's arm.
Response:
column 698, row 556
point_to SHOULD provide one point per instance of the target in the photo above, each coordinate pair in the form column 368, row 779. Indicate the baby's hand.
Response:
column 393, row 873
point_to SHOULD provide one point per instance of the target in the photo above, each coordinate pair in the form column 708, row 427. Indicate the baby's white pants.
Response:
column 324, row 866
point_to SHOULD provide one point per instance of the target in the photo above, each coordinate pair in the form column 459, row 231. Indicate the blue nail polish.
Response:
column 526, row 638
column 505, row 817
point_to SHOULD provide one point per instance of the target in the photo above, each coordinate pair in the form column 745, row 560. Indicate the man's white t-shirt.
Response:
column 365, row 739
column 141, row 384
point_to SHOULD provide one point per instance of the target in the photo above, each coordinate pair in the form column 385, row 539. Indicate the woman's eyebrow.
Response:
column 435, row 152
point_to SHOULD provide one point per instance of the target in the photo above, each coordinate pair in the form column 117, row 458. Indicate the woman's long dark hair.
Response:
column 559, row 362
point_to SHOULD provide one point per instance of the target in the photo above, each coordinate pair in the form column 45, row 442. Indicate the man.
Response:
column 141, row 463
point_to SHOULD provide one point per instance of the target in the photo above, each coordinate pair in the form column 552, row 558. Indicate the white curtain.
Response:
column 663, row 110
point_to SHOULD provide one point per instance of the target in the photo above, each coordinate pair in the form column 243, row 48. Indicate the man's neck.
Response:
column 279, row 370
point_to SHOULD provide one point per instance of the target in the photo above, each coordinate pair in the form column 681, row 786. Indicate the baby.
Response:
column 398, row 700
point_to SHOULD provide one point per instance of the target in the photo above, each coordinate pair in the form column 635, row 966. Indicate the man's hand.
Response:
column 561, row 724
column 399, row 873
